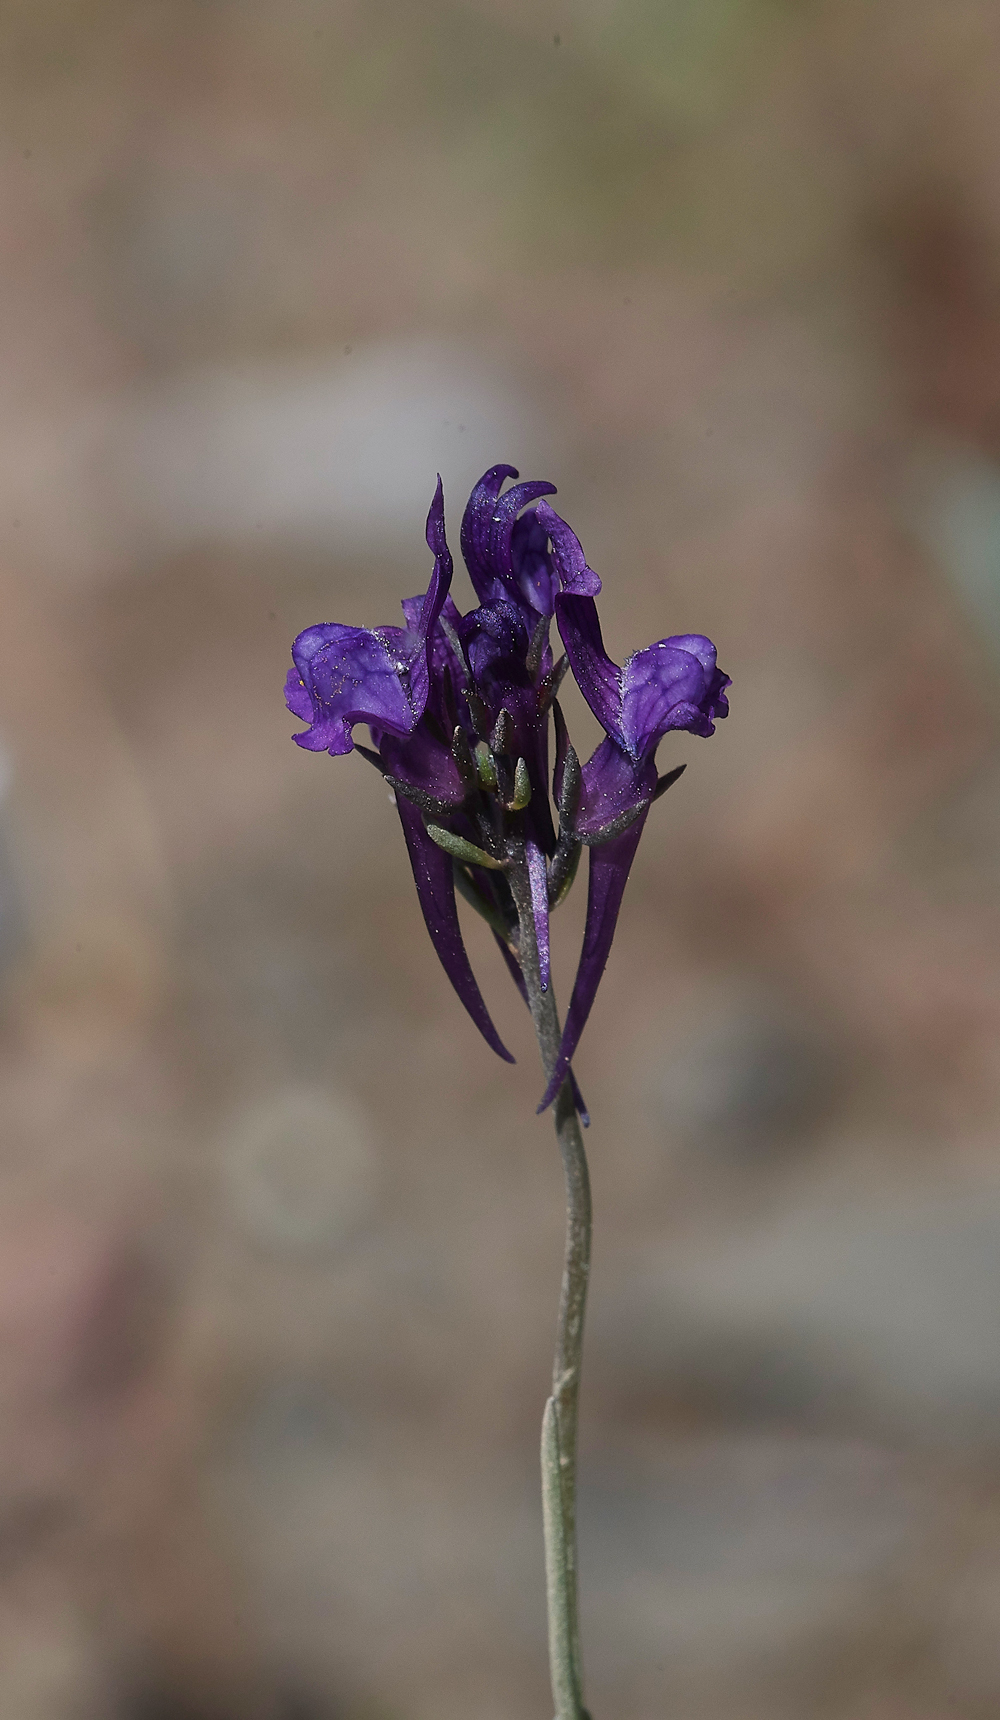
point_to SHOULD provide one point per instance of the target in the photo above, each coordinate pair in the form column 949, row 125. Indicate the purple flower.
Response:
column 458, row 708
column 506, row 551
column 674, row 684
column 347, row 675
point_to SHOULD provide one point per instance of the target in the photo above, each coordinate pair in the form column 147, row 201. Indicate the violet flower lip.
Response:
column 459, row 706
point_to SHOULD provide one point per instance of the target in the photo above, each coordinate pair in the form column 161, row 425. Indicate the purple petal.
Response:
column 422, row 760
column 611, row 783
column 477, row 530
column 440, row 583
column 487, row 530
column 538, row 879
column 562, row 748
column 434, row 531
column 568, row 558
column 326, row 735
column 673, row 684
column 422, row 613
column 698, row 646
column 350, row 675
column 441, row 656
column 503, row 520
column 494, row 635
column 297, row 697
column 609, row 869
column 598, row 679
column 435, row 881
column 532, row 564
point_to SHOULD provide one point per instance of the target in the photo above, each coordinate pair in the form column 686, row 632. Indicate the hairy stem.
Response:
column 560, row 1421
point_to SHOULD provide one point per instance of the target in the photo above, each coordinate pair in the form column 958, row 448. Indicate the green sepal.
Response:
column 428, row 803
column 477, row 710
column 503, row 733
column 615, row 827
column 454, row 641
column 562, row 872
column 550, row 684
column 467, row 888
column 522, row 788
column 486, row 767
column 569, row 793
column 459, row 849
column 665, row 782
column 536, row 649
column 372, row 757
column 464, row 762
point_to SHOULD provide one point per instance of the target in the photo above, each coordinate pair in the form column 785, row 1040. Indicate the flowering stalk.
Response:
column 559, row 1422
column 459, row 709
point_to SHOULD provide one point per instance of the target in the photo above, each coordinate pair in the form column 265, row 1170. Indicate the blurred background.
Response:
column 280, row 1240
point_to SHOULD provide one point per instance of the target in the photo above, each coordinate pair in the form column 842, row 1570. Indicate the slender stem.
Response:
column 560, row 1421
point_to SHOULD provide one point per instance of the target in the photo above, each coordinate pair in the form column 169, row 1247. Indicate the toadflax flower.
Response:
column 459, row 710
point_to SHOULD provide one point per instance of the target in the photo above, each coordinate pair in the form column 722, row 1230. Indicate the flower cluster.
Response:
column 459, row 709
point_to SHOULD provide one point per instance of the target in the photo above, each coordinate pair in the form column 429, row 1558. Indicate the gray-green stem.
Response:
column 559, row 1424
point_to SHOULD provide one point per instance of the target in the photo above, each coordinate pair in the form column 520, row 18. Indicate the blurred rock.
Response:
column 12, row 922
column 868, row 1309
column 300, row 1171
column 327, row 452
column 750, row 1080
column 708, row 1562
column 950, row 497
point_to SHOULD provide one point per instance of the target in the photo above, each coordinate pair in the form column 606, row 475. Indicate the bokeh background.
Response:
column 280, row 1241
